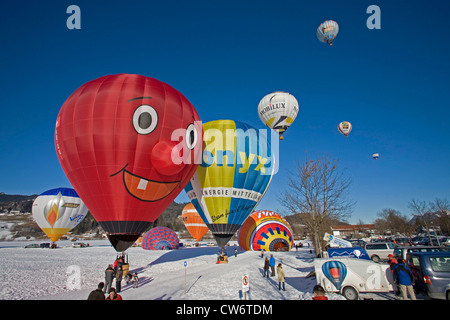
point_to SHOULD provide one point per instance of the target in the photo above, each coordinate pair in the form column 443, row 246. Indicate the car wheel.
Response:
column 375, row 258
column 350, row 293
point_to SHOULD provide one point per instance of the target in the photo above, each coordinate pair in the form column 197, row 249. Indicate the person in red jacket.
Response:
column 113, row 295
column 319, row 293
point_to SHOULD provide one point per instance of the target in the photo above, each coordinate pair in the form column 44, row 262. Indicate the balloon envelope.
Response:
column 335, row 271
column 160, row 238
column 327, row 31
column 345, row 127
column 278, row 110
column 57, row 211
column 375, row 156
column 114, row 138
column 193, row 222
column 236, row 171
column 265, row 230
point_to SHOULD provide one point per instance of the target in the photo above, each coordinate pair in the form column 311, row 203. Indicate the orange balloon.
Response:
column 193, row 222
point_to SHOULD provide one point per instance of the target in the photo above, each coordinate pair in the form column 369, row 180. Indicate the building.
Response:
column 357, row 231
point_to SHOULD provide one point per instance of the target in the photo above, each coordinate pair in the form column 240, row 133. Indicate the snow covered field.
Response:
column 71, row 273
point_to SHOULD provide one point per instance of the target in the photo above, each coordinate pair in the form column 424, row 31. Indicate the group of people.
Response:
column 114, row 271
column 270, row 263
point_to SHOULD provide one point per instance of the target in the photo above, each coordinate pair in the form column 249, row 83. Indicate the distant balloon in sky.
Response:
column 345, row 127
column 278, row 110
column 57, row 211
column 327, row 31
column 193, row 222
column 127, row 144
column 237, row 167
column 375, row 156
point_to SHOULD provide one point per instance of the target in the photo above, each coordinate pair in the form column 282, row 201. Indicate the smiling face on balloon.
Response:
column 128, row 145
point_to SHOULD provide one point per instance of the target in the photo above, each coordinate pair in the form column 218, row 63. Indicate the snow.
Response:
column 72, row 273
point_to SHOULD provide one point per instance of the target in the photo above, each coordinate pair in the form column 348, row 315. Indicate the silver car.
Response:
column 431, row 272
column 379, row 250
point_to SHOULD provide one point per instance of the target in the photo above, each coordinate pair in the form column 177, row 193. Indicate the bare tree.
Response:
column 318, row 193
column 421, row 210
column 393, row 221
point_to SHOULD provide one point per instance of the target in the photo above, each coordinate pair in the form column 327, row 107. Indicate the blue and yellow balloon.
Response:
column 236, row 170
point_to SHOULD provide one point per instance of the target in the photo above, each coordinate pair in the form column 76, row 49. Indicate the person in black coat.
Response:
column 97, row 294
column 109, row 276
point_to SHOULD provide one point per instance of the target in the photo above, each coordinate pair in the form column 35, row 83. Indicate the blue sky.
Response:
column 392, row 84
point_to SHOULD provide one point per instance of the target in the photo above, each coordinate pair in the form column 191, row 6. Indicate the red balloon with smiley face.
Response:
column 128, row 144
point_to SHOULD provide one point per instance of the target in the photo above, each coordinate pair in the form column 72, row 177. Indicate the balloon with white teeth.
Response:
column 128, row 145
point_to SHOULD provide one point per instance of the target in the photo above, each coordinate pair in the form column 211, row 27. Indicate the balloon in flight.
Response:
column 57, row 211
column 236, row 170
column 327, row 31
column 127, row 144
column 376, row 156
column 345, row 127
column 278, row 110
column 193, row 222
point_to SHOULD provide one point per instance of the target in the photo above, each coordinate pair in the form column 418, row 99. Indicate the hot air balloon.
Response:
column 327, row 31
column 128, row 144
column 278, row 110
column 57, row 211
column 265, row 230
column 335, row 271
column 193, row 222
column 160, row 238
column 236, row 170
column 345, row 127
column 375, row 156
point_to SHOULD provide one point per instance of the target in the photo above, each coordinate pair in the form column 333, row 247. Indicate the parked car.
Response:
column 379, row 251
column 32, row 245
column 45, row 245
column 403, row 251
column 431, row 272
column 79, row 245
column 445, row 242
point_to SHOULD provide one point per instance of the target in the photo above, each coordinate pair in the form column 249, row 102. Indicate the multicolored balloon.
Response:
column 375, row 156
column 327, row 31
column 128, row 145
column 193, row 222
column 57, row 211
column 278, row 110
column 266, row 230
column 345, row 127
column 160, row 238
column 237, row 167
column 335, row 271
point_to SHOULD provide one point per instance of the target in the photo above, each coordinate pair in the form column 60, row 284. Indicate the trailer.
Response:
column 350, row 276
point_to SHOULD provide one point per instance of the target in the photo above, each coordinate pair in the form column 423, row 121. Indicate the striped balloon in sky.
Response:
column 327, row 31
column 236, row 170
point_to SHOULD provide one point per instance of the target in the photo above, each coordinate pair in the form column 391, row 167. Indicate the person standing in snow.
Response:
column 109, row 276
column 272, row 265
column 97, row 294
column 119, row 279
column 266, row 267
column 280, row 273
column 404, row 278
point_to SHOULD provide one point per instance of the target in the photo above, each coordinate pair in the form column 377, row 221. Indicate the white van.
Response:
column 380, row 250
column 350, row 276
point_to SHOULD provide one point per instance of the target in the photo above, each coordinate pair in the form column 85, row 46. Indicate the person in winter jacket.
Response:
column 280, row 273
column 97, row 294
column 272, row 265
column 319, row 293
column 119, row 279
column 113, row 295
column 266, row 267
column 109, row 276
column 404, row 278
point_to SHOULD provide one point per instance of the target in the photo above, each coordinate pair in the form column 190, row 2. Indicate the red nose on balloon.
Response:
column 167, row 158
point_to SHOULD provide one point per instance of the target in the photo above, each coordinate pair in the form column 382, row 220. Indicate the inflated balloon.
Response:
column 335, row 271
column 236, row 170
column 278, row 110
column 160, row 238
column 327, row 31
column 266, row 230
column 375, row 156
column 345, row 127
column 193, row 222
column 127, row 143
column 57, row 211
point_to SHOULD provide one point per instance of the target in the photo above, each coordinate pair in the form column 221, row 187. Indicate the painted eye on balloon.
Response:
column 191, row 137
column 145, row 119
